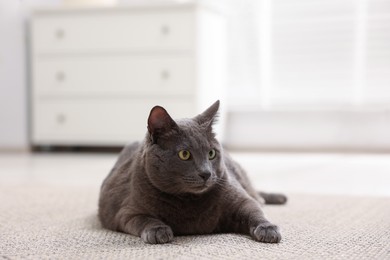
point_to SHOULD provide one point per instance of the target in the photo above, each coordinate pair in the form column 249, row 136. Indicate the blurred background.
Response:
column 300, row 75
column 306, row 76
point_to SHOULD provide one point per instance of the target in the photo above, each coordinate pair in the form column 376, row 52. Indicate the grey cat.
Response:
column 180, row 181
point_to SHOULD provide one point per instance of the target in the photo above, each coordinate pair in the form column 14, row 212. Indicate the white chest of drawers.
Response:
column 96, row 73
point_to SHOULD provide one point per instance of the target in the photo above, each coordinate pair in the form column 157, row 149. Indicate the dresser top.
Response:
column 135, row 7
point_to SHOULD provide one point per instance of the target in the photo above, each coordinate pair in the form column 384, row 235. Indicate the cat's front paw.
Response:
column 157, row 235
column 266, row 233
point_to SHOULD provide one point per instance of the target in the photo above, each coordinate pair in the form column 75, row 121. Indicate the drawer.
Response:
column 116, row 31
column 134, row 75
column 96, row 122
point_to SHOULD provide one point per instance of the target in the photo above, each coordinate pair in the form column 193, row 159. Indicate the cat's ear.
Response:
column 209, row 116
column 160, row 123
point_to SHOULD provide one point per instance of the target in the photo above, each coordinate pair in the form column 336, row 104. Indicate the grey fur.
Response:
column 153, row 194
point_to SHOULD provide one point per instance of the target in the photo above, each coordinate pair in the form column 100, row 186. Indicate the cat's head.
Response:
column 183, row 156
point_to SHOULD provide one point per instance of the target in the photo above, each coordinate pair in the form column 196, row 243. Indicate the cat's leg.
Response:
column 248, row 218
column 150, row 229
column 273, row 198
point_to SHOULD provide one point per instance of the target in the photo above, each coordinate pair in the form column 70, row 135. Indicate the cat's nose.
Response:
column 205, row 175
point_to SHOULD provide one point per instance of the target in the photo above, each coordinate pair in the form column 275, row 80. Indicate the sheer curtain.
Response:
column 310, row 53
column 311, row 74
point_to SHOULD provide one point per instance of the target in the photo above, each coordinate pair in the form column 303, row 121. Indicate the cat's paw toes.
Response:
column 266, row 233
column 280, row 199
column 157, row 235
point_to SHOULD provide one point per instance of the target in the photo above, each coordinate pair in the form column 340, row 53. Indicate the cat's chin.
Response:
column 194, row 193
column 199, row 189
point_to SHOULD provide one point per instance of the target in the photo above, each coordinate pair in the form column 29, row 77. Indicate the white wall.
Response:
column 13, row 72
column 13, row 119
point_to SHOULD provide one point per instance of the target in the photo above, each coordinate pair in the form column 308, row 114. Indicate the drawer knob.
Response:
column 165, row 74
column 60, row 76
column 61, row 118
column 165, row 30
column 60, row 34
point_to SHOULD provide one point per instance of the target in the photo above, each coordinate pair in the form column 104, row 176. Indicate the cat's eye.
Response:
column 184, row 155
column 212, row 154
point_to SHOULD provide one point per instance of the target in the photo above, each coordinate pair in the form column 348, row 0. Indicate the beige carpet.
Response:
column 60, row 223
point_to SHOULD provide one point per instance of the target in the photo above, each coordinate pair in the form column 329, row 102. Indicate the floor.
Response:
column 348, row 174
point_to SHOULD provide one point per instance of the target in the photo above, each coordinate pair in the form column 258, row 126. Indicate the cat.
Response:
column 180, row 181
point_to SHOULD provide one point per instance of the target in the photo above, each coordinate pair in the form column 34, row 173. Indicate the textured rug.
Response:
column 47, row 222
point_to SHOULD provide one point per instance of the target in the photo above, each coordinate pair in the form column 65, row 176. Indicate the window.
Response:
column 323, row 78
